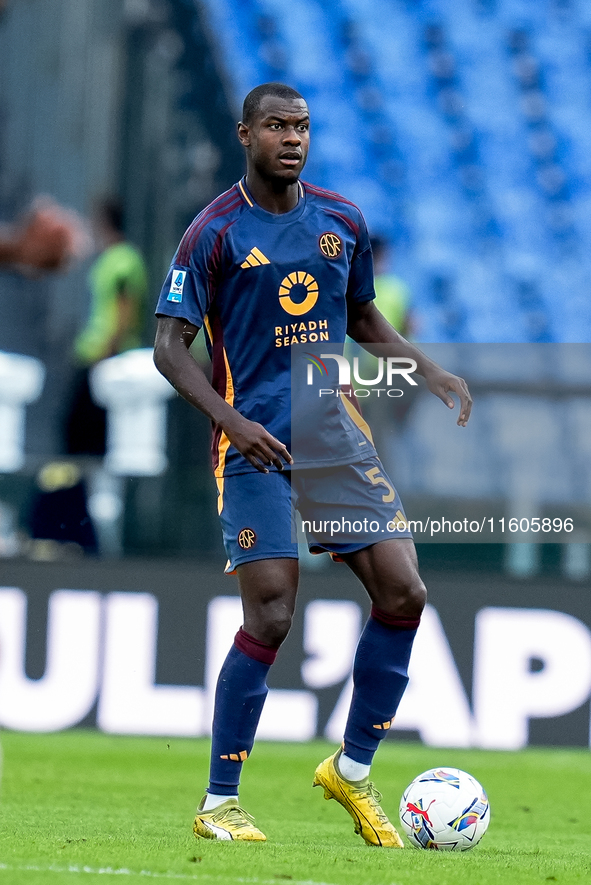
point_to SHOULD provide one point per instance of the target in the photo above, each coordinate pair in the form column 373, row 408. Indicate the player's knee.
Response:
column 269, row 619
column 414, row 597
column 407, row 596
column 274, row 625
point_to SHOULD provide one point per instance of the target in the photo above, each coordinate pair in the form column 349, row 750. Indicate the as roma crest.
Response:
column 330, row 244
column 247, row 538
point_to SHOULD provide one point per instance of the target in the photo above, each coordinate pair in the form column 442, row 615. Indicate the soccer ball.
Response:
column 444, row 809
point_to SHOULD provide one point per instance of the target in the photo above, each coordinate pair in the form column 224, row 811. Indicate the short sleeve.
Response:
column 186, row 290
column 360, row 287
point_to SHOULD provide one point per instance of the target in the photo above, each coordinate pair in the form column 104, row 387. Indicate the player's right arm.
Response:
column 174, row 337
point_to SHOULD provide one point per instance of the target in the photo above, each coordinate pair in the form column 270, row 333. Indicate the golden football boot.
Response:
column 228, row 822
column 361, row 800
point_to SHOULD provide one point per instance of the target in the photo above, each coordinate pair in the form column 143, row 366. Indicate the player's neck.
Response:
column 273, row 196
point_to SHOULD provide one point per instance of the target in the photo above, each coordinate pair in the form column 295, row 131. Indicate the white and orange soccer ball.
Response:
column 444, row 809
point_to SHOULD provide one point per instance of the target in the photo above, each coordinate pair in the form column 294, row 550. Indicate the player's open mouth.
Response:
column 290, row 159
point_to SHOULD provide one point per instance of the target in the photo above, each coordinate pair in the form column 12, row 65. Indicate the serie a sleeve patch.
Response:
column 176, row 286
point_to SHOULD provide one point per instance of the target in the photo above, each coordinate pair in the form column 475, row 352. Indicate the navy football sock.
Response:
column 380, row 676
column 239, row 699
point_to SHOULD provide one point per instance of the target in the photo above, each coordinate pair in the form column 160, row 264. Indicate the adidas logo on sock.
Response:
column 255, row 258
column 242, row 756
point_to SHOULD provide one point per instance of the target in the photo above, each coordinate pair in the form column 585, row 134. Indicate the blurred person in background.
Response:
column 393, row 300
column 393, row 297
column 59, row 520
column 118, row 285
column 47, row 238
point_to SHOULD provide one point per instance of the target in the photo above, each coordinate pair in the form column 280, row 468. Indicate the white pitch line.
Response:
column 103, row 871
column 123, row 871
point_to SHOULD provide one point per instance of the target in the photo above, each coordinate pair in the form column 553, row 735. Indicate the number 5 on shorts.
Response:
column 376, row 479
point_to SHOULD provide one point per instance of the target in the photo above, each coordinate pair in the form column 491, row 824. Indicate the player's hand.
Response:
column 442, row 383
column 256, row 444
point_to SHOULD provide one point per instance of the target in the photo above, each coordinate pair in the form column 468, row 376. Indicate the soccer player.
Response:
column 267, row 265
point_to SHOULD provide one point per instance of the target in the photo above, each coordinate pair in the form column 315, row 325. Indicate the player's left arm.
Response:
column 367, row 326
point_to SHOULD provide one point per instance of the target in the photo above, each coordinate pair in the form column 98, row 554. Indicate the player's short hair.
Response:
column 252, row 102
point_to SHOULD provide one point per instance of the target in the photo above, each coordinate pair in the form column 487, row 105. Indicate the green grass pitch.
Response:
column 81, row 806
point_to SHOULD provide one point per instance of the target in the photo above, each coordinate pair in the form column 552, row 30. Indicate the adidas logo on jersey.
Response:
column 255, row 258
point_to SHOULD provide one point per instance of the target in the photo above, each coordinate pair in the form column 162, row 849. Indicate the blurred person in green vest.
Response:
column 118, row 286
column 393, row 300
column 392, row 294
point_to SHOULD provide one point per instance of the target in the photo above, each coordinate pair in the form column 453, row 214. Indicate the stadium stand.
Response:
column 462, row 130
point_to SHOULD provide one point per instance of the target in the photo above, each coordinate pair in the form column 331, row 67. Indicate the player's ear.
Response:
column 243, row 134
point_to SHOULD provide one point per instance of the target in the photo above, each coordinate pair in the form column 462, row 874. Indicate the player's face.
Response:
column 277, row 140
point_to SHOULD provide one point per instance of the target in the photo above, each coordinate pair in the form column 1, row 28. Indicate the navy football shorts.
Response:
column 341, row 510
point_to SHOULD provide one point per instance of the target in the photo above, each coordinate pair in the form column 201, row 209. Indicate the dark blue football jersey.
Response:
column 261, row 283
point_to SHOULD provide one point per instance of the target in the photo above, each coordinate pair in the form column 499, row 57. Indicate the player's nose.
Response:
column 292, row 136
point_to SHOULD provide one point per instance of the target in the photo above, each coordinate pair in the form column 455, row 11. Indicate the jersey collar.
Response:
column 270, row 217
